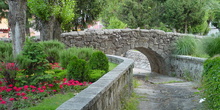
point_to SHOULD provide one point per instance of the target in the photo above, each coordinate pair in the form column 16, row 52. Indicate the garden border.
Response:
column 108, row 92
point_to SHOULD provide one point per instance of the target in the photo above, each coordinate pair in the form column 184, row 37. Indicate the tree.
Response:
column 86, row 12
column 136, row 13
column 3, row 8
column 109, row 14
column 51, row 15
column 115, row 23
column 215, row 4
column 182, row 14
column 17, row 23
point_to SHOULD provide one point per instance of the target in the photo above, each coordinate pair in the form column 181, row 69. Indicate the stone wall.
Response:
column 187, row 66
column 108, row 92
column 140, row 60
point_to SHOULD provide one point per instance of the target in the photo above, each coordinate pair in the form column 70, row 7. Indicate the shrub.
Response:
column 77, row 69
column 212, row 45
column 185, row 46
column 6, row 52
column 82, row 53
column 95, row 75
column 99, row 61
column 32, row 60
column 52, row 49
column 211, row 82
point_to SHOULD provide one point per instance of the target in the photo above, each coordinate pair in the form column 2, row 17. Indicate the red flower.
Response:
column 8, row 90
column 18, row 94
column 18, row 89
column 24, row 97
column 61, row 86
column 33, row 87
column 54, row 90
column 26, row 87
column 43, row 87
column 11, row 85
column 41, row 90
column 0, row 99
column 11, row 99
column 23, row 94
column 64, row 80
column 33, row 90
column 3, row 102
column 51, row 85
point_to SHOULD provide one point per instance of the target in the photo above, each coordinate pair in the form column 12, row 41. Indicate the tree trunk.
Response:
column 50, row 30
column 27, row 27
column 17, row 23
column 57, row 30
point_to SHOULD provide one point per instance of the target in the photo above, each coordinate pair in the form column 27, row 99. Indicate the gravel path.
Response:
column 159, row 92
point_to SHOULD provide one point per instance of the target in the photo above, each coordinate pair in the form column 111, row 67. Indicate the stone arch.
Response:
column 157, row 62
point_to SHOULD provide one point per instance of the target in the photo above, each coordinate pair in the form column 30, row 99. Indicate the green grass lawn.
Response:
column 112, row 66
column 51, row 103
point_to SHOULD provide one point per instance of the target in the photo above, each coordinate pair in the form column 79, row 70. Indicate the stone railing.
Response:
column 108, row 92
column 187, row 66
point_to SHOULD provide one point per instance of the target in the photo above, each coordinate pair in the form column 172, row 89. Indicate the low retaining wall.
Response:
column 186, row 66
column 108, row 92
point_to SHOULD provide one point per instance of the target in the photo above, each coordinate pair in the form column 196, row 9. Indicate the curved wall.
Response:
column 108, row 92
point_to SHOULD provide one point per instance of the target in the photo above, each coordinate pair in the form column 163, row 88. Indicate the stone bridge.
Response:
column 156, row 45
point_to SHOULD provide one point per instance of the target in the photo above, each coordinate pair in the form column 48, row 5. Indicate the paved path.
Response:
column 159, row 92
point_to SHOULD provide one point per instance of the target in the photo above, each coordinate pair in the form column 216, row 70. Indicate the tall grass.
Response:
column 200, row 47
column 185, row 46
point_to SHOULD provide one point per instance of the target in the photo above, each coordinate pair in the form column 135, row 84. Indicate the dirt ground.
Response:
column 160, row 92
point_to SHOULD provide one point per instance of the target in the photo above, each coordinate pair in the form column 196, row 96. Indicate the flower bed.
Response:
column 14, row 97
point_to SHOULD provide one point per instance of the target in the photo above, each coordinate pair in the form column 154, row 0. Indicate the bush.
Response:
column 211, row 82
column 185, row 46
column 82, row 53
column 99, row 61
column 95, row 75
column 6, row 52
column 52, row 49
column 77, row 69
column 32, row 60
column 212, row 45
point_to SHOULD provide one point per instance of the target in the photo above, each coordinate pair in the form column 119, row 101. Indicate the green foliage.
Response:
column 131, row 103
column 212, row 45
column 86, row 12
column 64, row 10
column 41, row 8
column 162, row 27
column 33, row 60
column 95, row 75
column 115, row 23
column 3, row 7
column 82, row 53
column 185, row 46
column 5, row 52
column 99, row 61
column 77, row 69
column 136, row 13
column 211, row 82
column 180, row 14
column 52, row 49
